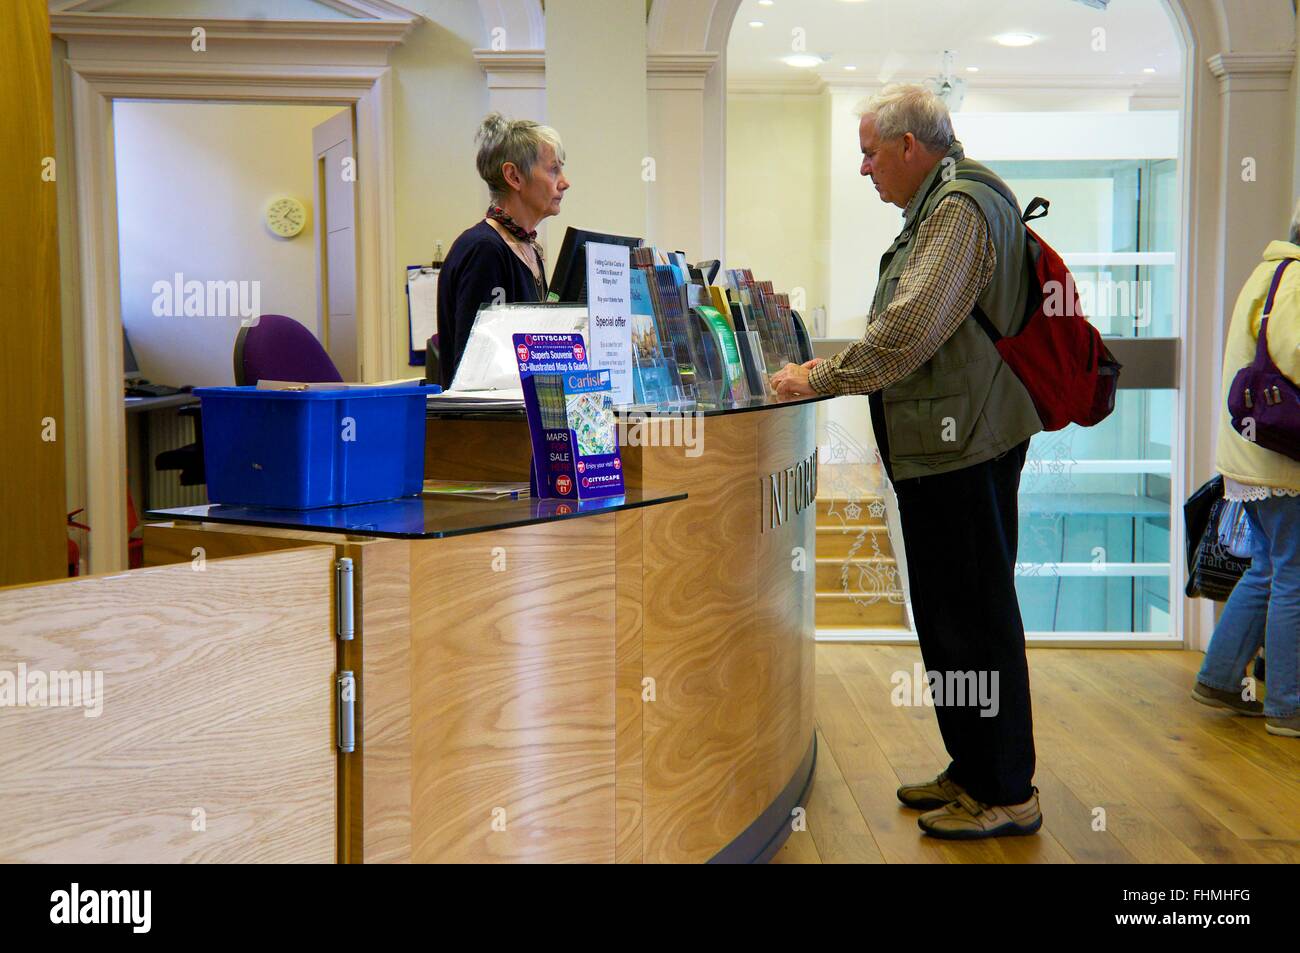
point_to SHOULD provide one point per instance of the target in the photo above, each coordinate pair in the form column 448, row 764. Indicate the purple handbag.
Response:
column 1264, row 402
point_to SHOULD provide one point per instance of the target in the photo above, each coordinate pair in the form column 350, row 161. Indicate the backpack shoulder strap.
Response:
column 983, row 321
column 1037, row 208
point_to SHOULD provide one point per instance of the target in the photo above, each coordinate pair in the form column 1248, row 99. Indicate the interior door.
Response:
column 334, row 145
column 33, row 430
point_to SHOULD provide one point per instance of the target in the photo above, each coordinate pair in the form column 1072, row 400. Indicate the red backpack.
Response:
column 1058, row 356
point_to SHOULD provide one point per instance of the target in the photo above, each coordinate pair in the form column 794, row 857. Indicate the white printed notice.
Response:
column 609, row 310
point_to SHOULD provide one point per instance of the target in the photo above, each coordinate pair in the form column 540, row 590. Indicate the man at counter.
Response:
column 952, row 423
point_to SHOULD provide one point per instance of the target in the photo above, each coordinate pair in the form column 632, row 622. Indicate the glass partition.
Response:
column 1095, row 503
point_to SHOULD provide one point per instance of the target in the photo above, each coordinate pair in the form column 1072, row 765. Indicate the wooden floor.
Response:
column 1115, row 729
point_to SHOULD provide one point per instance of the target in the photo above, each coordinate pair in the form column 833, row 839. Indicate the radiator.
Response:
column 169, row 430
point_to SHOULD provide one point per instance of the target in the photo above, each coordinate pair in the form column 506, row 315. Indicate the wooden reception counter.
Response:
column 716, row 603
column 534, row 681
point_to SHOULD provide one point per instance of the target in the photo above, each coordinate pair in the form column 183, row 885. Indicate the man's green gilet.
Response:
column 965, row 405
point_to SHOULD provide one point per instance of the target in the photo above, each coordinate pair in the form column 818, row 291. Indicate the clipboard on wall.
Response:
column 421, row 309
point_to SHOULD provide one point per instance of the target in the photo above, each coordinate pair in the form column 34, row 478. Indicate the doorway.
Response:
column 1080, row 105
column 218, row 223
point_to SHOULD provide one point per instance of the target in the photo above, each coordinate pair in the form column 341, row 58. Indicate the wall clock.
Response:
column 286, row 217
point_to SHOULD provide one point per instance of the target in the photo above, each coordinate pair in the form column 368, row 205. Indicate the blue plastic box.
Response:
column 307, row 449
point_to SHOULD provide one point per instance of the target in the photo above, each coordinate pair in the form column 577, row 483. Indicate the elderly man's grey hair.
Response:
column 901, row 108
column 1295, row 225
column 501, row 140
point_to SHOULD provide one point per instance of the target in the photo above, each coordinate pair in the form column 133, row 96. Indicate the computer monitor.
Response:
column 130, row 369
column 569, row 279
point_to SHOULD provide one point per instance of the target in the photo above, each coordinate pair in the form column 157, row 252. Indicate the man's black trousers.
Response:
column 959, row 533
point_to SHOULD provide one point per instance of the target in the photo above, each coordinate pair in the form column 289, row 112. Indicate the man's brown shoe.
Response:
column 1288, row 727
column 969, row 819
column 930, row 794
column 1228, row 701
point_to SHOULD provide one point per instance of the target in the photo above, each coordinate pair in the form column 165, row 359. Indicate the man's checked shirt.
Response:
column 951, row 263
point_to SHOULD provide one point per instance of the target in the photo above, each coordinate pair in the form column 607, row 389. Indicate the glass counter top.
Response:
column 416, row 517
column 516, row 411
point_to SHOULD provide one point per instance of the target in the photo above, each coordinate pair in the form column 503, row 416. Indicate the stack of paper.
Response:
column 507, row 398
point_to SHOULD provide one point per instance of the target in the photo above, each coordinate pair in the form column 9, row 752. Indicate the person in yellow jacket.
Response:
column 1264, row 608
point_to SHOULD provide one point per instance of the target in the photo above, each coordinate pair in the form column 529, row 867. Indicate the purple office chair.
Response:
column 278, row 348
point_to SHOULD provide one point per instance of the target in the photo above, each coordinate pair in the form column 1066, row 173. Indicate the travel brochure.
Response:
column 570, row 409
column 656, row 379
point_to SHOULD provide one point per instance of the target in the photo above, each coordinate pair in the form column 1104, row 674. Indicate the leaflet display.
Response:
column 655, row 375
column 725, row 339
column 570, row 409
column 675, row 335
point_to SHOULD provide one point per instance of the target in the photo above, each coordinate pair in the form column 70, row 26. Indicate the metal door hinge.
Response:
column 345, row 600
column 345, row 694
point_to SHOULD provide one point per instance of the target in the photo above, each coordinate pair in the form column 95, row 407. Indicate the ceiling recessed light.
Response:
column 1149, row 69
column 1016, row 39
column 756, row 23
column 850, row 68
column 802, row 60
column 765, row 3
column 972, row 69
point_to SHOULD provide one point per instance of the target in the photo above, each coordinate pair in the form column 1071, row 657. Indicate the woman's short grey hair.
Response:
column 519, row 141
column 901, row 108
column 1294, row 237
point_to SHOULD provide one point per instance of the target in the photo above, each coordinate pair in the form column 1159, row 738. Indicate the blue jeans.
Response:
column 1264, row 609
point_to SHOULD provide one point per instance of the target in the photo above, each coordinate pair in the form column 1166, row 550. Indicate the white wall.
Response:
column 862, row 226
column 194, row 180
column 439, row 99
column 1150, row 134
column 596, row 100
column 778, row 192
column 676, row 139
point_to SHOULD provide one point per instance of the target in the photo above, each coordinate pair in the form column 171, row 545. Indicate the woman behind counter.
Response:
column 498, row 260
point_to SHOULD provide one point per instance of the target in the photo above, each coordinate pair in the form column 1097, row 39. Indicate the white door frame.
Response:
column 110, row 59
column 338, row 130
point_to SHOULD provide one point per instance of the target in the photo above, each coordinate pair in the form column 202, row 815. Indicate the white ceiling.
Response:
column 905, row 39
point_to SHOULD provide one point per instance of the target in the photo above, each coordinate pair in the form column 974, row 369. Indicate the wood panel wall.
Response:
column 513, row 641
column 727, row 634
column 698, row 641
column 214, row 736
column 712, row 606
column 374, row 781
column 32, row 502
